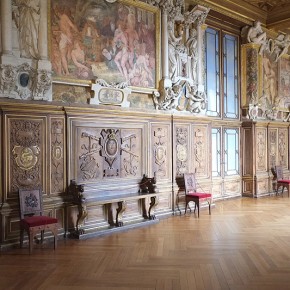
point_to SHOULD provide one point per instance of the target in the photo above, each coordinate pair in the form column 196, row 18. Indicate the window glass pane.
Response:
column 231, row 151
column 216, row 152
column 230, row 64
column 212, row 72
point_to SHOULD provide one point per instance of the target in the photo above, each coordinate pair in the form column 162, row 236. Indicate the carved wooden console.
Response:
column 81, row 198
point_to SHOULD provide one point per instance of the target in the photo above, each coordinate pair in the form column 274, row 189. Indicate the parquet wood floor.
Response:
column 244, row 244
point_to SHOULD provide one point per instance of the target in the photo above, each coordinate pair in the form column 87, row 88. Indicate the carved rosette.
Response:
column 57, row 156
column 25, row 148
column 181, row 150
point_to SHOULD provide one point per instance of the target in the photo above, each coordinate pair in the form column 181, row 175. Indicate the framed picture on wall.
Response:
column 117, row 41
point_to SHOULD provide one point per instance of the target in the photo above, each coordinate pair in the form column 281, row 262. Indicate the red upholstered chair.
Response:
column 31, row 219
column 192, row 195
column 285, row 183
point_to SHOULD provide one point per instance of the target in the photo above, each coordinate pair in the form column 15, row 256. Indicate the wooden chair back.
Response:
column 189, row 182
column 279, row 172
column 30, row 202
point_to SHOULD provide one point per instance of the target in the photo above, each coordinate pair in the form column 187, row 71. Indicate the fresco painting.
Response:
column 97, row 39
column 284, row 87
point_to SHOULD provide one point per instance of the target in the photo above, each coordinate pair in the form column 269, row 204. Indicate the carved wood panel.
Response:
column 261, row 149
column 26, row 151
column 181, row 149
column 283, row 147
column 161, row 144
column 272, row 147
column 100, row 153
column 57, row 145
column 200, row 150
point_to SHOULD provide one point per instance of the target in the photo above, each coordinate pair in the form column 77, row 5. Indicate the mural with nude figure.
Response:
column 98, row 39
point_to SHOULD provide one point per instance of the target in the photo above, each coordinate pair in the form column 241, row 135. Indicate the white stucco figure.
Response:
column 175, row 50
column 257, row 35
column 27, row 21
column 191, row 45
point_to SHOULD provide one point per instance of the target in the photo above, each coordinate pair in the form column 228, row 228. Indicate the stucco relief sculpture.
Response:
column 255, row 34
column 191, row 45
column 182, row 87
column 176, row 50
column 26, row 14
column 276, row 47
column 282, row 43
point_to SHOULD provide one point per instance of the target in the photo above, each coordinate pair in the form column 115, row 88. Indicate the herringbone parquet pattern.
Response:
column 244, row 244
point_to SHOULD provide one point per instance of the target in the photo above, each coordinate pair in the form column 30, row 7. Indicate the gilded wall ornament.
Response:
column 26, row 157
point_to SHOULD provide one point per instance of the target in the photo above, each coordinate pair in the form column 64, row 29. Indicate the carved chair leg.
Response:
column 41, row 236
column 21, row 237
column 209, row 205
column 197, row 204
column 30, row 235
column 55, row 237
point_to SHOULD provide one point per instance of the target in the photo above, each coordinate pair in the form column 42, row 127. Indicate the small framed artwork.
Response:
column 117, row 41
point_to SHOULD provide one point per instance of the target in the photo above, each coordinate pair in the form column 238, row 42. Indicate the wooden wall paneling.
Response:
column 181, row 149
column 181, row 159
column 232, row 187
column 248, row 158
column 201, row 150
column 217, row 189
column 57, row 155
column 26, row 163
column 273, row 146
column 160, row 163
column 89, row 139
column 26, row 152
column 262, row 185
column 261, row 149
column 283, row 147
column 161, row 154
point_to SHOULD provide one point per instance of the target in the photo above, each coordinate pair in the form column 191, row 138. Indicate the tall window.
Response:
column 225, row 151
column 222, row 74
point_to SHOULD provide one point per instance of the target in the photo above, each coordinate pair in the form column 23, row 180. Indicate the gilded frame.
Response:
column 81, row 33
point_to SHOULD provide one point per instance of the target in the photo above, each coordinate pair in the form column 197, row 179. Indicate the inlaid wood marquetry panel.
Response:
column 261, row 149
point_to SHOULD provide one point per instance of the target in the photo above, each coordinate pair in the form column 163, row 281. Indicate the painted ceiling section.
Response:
column 273, row 14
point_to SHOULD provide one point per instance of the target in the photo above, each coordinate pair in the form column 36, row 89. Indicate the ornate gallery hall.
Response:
column 144, row 144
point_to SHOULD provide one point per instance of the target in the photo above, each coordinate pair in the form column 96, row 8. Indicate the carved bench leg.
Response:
column 119, row 216
column 83, row 213
column 153, row 203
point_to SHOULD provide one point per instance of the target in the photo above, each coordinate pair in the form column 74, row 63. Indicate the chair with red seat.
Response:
column 31, row 219
column 285, row 183
column 192, row 195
